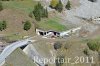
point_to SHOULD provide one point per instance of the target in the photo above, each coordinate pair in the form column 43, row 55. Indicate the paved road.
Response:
column 9, row 49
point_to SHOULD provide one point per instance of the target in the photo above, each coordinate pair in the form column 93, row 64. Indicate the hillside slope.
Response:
column 15, row 19
column 18, row 58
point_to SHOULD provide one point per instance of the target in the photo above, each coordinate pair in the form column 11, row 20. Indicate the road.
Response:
column 9, row 49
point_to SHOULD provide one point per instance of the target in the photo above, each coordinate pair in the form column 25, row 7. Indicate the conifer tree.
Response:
column 45, row 14
column 4, row 25
column 68, row 6
column 39, row 12
column 59, row 6
column 1, row 28
column 46, row 11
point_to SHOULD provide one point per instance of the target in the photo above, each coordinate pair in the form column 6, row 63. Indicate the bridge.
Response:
column 9, row 49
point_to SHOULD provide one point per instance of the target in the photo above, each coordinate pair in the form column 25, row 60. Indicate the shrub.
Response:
column 86, row 51
column 94, row 45
column 27, row 25
column 57, row 45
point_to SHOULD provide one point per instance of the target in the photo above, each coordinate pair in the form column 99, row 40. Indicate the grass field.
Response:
column 52, row 24
column 26, row 5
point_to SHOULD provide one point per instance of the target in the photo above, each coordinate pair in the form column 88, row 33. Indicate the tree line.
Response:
column 41, row 12
column 57, row 5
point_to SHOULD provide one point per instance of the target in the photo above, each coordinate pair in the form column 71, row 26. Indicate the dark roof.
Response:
column 52, row 31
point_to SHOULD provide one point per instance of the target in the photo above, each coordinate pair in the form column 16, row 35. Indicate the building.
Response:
column 54, row 34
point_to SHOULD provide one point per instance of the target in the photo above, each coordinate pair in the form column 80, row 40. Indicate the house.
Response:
column 55, row 34
column 49, row 33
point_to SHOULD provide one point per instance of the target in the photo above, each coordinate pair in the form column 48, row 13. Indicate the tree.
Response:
column 1, row 7
column 4, row 25
column 27, row 25
column 59, row 6
column 1, row 28
column 39, row 12
column 68, row 6
column 53, row 3
column 45, row 13
column 40, row 9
